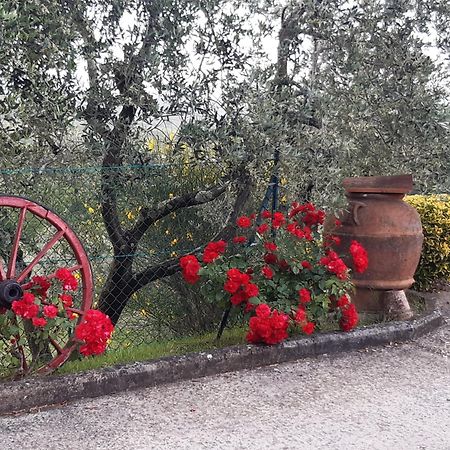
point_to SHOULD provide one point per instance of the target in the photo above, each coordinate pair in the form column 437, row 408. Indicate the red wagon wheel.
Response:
column 36, row 241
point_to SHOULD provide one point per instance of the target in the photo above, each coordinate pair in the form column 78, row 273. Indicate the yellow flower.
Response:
column 91, row 210
column 173, row 254
column 167, row 232
column 77, row 276
column 151, row 144
column 171, row 195
column 130, row 215
column 189, row 235
column 174, row 242
column 171, row 136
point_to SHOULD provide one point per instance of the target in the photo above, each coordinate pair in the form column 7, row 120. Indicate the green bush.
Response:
column 434, row 263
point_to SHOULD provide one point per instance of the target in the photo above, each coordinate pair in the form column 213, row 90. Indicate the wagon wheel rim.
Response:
column 11, row 277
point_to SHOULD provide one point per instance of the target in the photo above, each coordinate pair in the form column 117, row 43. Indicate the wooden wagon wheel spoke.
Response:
column 55, row 344
column 15, row 248
column 62, row 245
column 41, row 254
column 2, row 272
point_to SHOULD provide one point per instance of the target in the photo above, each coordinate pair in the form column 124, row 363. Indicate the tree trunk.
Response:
column 118, row 288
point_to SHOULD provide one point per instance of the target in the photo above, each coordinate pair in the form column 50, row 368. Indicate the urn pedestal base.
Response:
column 391, row 305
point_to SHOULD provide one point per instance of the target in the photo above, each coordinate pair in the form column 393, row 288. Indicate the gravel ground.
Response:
column 395, row 397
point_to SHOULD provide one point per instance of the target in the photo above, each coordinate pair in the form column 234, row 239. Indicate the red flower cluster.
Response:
column 266, row 214
column 297, row 208
column 304, row 295
column 270, row 246
column 244, row 222
column 239, row 239
column 94, row 331
column 66, row 300
column 270, row 258
column 213, row 250
column 68, row 281
column 359, row 255
column 41, row 285
column 301, row 319
column 349, row 318
column 314, row 218
column 263, row 228
column 50, row 311
column 335, row 265
column 278, row 220
column 296, row 230
column 268, row 326
column 39, row 322
column 26, row 307
column 311, row 217
column 238, row 284
column 267, row 272
column 190, row 267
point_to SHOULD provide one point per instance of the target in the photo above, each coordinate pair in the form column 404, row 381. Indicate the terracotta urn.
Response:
column 388, row 228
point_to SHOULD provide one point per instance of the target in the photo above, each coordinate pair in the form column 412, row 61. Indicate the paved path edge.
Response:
column 38, row 392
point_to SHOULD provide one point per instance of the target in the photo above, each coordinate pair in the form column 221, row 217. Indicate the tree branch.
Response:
column 171, row 266
column 149, row 216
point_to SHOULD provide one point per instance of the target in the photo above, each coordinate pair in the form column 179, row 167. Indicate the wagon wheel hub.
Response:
column 10, row 291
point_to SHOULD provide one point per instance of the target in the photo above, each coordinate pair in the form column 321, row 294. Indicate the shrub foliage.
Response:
column 434, row 263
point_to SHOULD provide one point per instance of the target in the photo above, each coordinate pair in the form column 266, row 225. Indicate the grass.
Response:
column 156, row 350
column 179, row 346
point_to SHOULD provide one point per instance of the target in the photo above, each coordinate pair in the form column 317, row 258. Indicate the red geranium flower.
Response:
column 66, row 299
column 239, row 239
column 283, row 264
column 213, row 250
column 270, row 258
column 308, row 328
column 251, row 290
column 359, row 255
column 335, row 265
column 94, row 331
column 278, row 219
column 244, row 222
column 50, row 311
column 349, row 318
column 262, row 228
column 267, row 326
column 69, row 282
column 343, row 301
column 39, row 322
column 42, row 284
column 263, row 310
column 306, row 265
column 25, row 307
column 304, row 295
column 267, row 272
column 300, row 315
column 266, row 214
column 270, row 246
column 190, row 267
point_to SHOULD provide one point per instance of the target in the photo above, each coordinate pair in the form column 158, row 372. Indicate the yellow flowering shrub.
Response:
column 434, row 211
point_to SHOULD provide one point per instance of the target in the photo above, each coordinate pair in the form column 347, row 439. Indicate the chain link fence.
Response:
column 164, row 306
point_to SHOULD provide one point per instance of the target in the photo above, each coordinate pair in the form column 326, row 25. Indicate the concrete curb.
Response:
column 44, row 391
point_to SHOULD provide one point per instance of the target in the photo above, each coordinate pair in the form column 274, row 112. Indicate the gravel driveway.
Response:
column 394, row 397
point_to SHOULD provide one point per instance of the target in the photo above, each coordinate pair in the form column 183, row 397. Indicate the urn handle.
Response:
column 354, row 212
